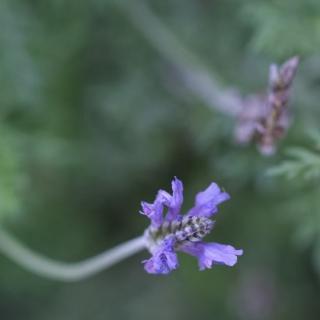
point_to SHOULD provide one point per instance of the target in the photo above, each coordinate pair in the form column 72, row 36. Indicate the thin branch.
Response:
column 194, row 75
column 62, row 271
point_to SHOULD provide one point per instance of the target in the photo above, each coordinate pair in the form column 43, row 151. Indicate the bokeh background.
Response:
column 93, row 119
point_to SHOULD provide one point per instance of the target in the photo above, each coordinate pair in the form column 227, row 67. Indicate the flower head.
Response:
column 170, row 231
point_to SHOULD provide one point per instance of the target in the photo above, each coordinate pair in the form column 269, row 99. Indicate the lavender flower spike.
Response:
column 171, row 231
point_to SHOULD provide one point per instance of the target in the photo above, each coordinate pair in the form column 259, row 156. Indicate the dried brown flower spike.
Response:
column 275, row 118
column 264, row 117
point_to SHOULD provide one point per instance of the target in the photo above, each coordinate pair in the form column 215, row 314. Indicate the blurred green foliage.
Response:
column 283, row 27
column 303, row 162
column 92, row 122
column 302, row 168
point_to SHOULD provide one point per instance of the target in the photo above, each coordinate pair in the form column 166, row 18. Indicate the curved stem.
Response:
column 62, row 271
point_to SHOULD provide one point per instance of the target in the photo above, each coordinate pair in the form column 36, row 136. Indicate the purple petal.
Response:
column 212, row 253
column 207, row 201
column 174, row 201
column 153, row 211
column 163, row 260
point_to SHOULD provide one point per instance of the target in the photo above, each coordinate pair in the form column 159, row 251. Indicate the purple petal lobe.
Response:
column 153, row 211
column 163, row 260
column 174, row 201
column 207, row 201
column 209, row 254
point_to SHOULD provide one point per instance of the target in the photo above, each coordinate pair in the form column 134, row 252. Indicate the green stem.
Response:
column 62, row 271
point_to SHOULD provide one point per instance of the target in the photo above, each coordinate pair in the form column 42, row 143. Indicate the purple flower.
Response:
column 171, row 231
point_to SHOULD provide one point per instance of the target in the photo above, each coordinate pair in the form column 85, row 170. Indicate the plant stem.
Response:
column 195, row 76
column 62, row 271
